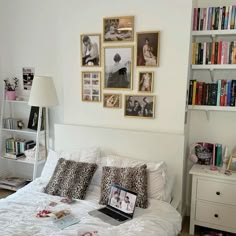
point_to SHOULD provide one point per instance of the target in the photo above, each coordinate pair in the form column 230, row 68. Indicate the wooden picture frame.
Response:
column 91, row 86
column 118, row 29
column 112, row 100
column 147, row 51
column 118, row 67
column 140, row 106
column 232, row 163
column 145, row 81
column 90, row 45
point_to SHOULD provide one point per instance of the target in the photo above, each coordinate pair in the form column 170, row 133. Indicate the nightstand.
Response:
column 213, row 200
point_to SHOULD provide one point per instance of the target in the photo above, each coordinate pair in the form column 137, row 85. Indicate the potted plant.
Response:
column 10, row 88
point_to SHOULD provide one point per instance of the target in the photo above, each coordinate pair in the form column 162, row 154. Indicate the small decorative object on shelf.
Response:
column 20, row 124
column 10, row 88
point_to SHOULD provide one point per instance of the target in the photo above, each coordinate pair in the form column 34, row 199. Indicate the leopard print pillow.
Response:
column 131, row 178
column 70, row 179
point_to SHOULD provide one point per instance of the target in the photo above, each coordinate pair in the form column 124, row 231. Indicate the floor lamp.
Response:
column 42, row 95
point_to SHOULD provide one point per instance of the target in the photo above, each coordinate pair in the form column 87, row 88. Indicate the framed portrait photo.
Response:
column 118, row 29
column 140, row 106
column 34, row 118
column 145, row 82
column 148, row 48
column 112, row 100
column 91, row 86
column 118, row 67
column 90, row 45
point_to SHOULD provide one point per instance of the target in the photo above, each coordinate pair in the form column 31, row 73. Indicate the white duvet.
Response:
column 18, row 216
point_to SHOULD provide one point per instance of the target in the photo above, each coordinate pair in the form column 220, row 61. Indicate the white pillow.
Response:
column 90, row 155
column 156, row 172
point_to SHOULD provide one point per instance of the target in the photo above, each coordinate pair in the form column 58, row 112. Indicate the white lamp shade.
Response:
column 43, row 92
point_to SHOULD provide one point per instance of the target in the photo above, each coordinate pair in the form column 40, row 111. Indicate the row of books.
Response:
column 221, row 93
column 11, row 123
column 209, row 154
column 15, row 148
column 214, row 18
column 221, row 52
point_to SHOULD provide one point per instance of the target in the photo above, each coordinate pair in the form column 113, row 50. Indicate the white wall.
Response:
column 46, row 35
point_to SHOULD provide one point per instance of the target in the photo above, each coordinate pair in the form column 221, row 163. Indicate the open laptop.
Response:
column 120, row 207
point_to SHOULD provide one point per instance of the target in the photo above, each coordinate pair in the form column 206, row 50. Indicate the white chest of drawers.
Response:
column 213, row 200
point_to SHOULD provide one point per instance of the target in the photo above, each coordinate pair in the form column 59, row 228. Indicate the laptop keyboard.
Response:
column 113, row 214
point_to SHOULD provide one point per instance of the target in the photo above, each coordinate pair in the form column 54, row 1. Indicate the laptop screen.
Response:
column 122, row 199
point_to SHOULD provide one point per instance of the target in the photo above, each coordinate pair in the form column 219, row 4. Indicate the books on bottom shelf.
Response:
column 13, row 183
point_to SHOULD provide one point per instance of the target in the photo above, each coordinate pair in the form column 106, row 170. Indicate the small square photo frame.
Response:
column 145, row 82
column 91, row 86
column 118, row 29
column 118, row 67
column 112, row 100
column 90, row 45
column 148, row 44
column 140, row 106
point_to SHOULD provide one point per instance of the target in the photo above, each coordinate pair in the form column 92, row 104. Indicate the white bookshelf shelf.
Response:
column 211, row 108
column 17, row 101
column 214, row 67
column 23, row 160
column 26, row 131
column 214, row 32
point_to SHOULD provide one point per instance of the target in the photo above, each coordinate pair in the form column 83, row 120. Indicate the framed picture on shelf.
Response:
column 118, row 66
column 90, row 50
column 112, row 100
column 34, row 118
column 91, row 86
column 145, row 82
column 140, row 106
column 28, row 76
column 118, row 29
column 148, row 44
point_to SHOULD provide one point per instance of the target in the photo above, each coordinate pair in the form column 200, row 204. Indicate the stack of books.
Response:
column 13, row 183
column 220, row 52
column 221, row 93
column 15, row 147
column 214, row 18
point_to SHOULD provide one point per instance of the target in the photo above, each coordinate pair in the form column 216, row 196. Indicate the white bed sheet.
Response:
column 18, row 216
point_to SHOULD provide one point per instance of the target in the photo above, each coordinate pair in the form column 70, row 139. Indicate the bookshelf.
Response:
column 211, row 108
column 212, row 33
column 22, row 167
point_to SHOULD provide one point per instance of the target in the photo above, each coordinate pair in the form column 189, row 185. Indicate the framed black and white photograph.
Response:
column 145, row 82
column 148, row 48
column 34, row 117
column 91, row 86
column 118, row 66
column 140, row 106
column 90, row 50
column 28, row 76
column 112, row 100
column 118, row 29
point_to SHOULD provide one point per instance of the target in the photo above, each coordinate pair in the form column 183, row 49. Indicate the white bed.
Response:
column 18, row 211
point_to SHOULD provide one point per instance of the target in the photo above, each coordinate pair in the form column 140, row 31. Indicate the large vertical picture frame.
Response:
column 91, row 86
column 148, row 44
column 90, row 45
column 118, row 67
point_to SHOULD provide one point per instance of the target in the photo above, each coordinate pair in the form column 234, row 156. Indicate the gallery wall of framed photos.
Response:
column 119, row 52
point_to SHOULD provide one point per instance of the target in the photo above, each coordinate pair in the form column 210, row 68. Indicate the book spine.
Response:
column 204, row 53
column 196, row 95
column 204, row 93
column 213, row 18
column 220, row 19
column 214, row 94
column 223, row 18
column 199, row 94
column 219, row 52
column 234, row 53
column 207, row 54
column 216, row 53
column 229, row 92
column 210, row 53
column 209, row 18
column 222, row 93
column 226, row 17
column 218, row 92
column 190, row 92
column 218, row 154
column 233, row 93
column 232, row 18
column 216, row 23
column 198, row 18
column 193, row 53
column 194, row 92
column 231, row 44
column 206, row 19
column 213, row 53
column 194, row 18
column 230, row 15
column 207, row 94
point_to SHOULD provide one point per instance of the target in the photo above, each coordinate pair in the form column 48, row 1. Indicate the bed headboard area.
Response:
column 143, row 145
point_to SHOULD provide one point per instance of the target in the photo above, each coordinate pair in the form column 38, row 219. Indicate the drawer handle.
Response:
column 216, row 215
column 218, row 193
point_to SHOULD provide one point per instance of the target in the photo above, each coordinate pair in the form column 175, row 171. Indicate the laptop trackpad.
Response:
column 105, row 218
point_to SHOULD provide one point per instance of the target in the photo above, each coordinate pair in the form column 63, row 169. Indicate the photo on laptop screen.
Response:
column 122, row 200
